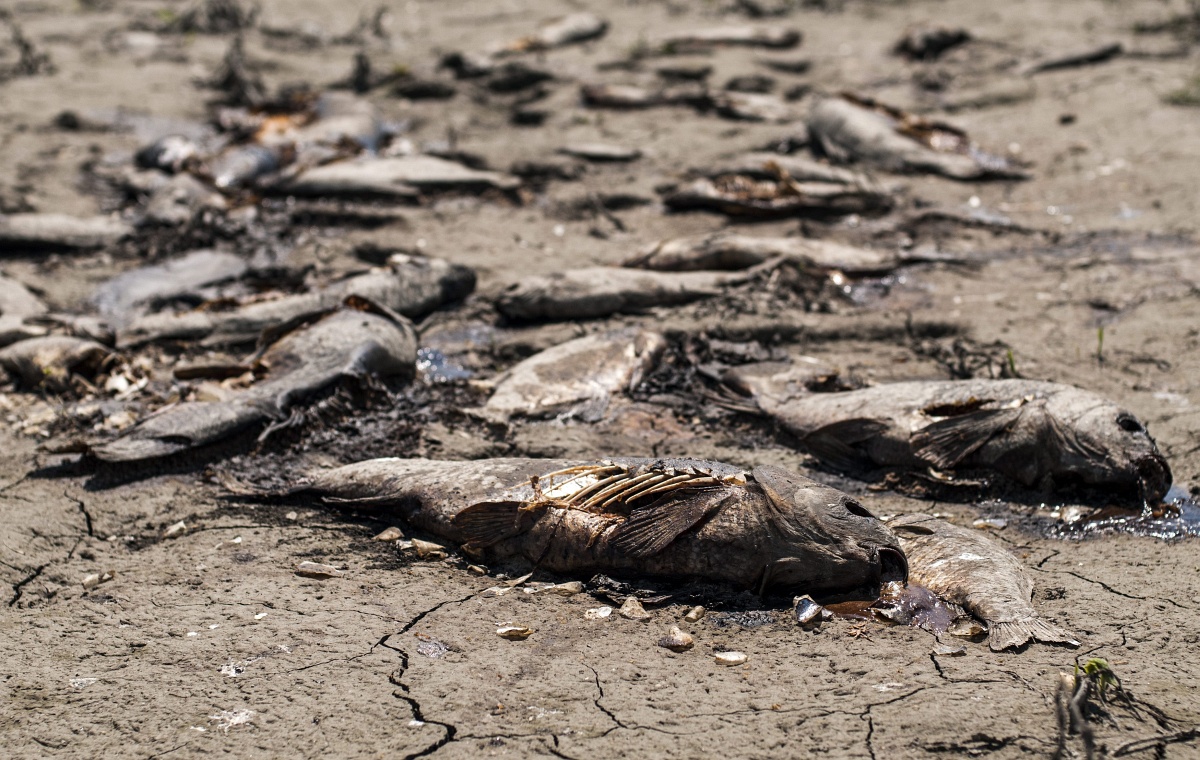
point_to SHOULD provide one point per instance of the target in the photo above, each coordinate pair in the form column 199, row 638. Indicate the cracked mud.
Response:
column 124, row 635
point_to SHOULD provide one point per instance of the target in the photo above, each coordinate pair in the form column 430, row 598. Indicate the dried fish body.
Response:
column 49, row 362
column 968, row 569
column 765, row 165
column 561, row 31
column 410, row 285
column 601, row 152
column 750, row 106
column 184, row 278
column 578, row 376
column 849, row 128
column 355, row 341
column 243, row 165
column 773, row 37
column 400, row 177
column 17, row 301
column 342, row 117
column 170, row 153
column 763, row 528
column 600, row 291
column 1043, row 436
column 178, row 201
column 773, row 385
column 725, row 251
column 39, row 232
column 739, row 195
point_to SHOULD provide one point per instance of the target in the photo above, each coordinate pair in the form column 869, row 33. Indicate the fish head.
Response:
column 823, row 540
column 1102, row 444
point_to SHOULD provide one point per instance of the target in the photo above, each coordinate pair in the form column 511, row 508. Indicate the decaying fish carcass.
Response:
column 965, row 567
column 728, row 251
column 855, row 129
column 577, row 377
column 1042, row 436
column 409, row 285
column 300, row 359
column 766, row 528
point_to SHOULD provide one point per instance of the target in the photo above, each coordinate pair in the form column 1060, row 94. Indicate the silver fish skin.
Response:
column 852, row 129
column 1044, row 436
column 356, row 340
column 134, row 291
column 681, row 518
column 40, row 232
column 967, row 568
column 576, row 377
column 595, row 292
column 399, row 176
column 410, row 285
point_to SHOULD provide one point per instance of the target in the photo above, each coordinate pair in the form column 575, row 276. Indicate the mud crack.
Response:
column 19, row 586
column 403, row 691
column 1112, row 590
column 87, row 516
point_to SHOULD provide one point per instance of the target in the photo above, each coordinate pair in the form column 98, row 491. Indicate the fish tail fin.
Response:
column 1018, row 633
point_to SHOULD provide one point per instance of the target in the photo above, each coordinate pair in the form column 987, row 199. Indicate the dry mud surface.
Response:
column 205, row 643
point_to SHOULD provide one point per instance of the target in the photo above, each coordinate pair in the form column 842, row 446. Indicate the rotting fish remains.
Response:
column 763, row 528
column 1044, row 436
column 964, row 567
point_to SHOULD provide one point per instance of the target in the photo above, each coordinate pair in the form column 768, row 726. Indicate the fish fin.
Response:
column 946, row 443
column 1018, row 633
column 651, row 529
column 835, row 443
column 490, row 522
column 919, row 530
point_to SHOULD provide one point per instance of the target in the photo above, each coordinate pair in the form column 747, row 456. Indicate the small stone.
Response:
column 949, row 650
column 389, row 534
column 428, row 549
column 514, row 632
column 695, row 614
column 677, row 640
column 598, row 613
column 632, row 609
column 292, row 516
column 496, row 591
column 91, row 581
column 318, row 570
column 175, row 530
column 730, row 658
column 477, row 569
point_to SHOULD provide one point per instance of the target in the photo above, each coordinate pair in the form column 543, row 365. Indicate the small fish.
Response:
column 850, row 128
column 726, row 251
column 561, row 31
column 773, row 37
column 31, row 232
column 49, row 362
column 967, row 568
column 601, row 152
column 577, row 377
column 399, row 177
column 684, row 518
column 595, row 292
column 409, row 285
column 297, row 361
column 741, row 195
column 181, row 279
column 1044, row 436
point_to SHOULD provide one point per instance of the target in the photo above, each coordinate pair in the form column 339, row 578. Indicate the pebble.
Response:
column 993, row 523
column 477, row 569
column 677, row 640
column 175, row 530
column 514, row 632
column 389, row 534
column 632, row 609
column 730, row 658
column 318, row 570
column 428, row 549
column 92, row 580
column 292, row 516
column 695, row 614
column 598, row 613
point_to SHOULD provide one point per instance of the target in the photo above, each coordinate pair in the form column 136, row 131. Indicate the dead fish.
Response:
column 41, row 232
column 184, row 278
column 725, row 251
column 49, row 362
column 774, row 37
column 410, row 285
column 601, row 152
column 740, row 195
column 629, row 97
column 927, row 43
column 243, row 165
column 684, row 518
column 751, row 106
column 561, row 31
column 1043, row 436
column 178, row 200
column 596, row 292
column 170, row 153
column 356, row 340
column 851, row 128
column 765, row 165
column 578, row 377
column 966, row 568
column 400, row 177
column 17, row 301
column 341, row 117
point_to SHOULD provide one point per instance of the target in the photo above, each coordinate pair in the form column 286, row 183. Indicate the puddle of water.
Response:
column 1177, row 517
column 435, row 367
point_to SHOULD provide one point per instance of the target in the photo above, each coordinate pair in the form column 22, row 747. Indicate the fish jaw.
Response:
column 1154, row 475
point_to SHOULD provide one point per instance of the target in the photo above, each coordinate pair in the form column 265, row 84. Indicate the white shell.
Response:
column 598, row 613
column 514, row 632
column 318, row 570
column 695, row 614
column 730, row 658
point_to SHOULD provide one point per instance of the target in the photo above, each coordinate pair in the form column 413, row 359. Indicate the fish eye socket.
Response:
column 854, row 508
column 1129, row 424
